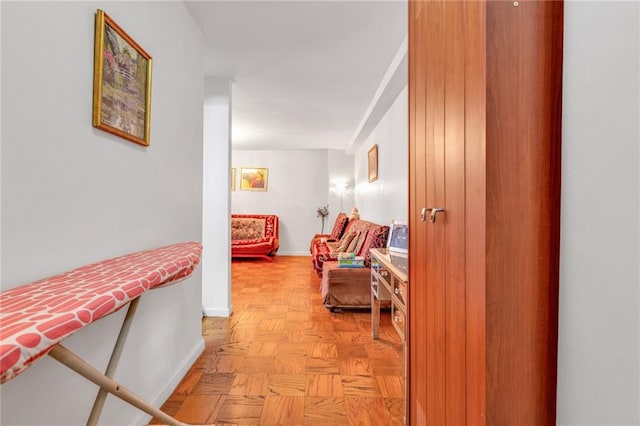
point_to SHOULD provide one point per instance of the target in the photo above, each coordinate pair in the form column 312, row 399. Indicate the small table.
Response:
column 389, row 283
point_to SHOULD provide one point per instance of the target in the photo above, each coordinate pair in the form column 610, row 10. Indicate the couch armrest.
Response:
column 316, row 240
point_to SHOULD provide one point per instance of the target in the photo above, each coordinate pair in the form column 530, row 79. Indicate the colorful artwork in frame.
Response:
column 253, row 179
column 373, row 163
column 121, row 83
column 233, row 179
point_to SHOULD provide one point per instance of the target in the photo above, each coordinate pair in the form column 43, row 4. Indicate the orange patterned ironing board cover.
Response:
column 35, row 317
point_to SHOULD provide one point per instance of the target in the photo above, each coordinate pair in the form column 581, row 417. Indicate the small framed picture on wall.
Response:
column 121, row 83
column 253, row 179
column 373, row 163
column 232, row 184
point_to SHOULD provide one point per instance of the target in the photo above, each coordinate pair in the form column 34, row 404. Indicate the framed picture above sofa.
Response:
column 253, row 179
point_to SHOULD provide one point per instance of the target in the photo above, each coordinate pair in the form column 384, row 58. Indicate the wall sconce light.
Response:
column 339, row 188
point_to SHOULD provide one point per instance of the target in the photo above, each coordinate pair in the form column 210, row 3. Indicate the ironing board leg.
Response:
column 80, row 366
column 113, row 362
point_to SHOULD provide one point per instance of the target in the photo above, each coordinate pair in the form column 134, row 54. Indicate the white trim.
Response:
column 217, row 312
column 294, row 253
column 195, row 352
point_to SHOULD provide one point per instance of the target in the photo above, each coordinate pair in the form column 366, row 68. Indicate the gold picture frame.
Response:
column 373, row 163
column 233, row 179
column 121, row 83
column 253, row 179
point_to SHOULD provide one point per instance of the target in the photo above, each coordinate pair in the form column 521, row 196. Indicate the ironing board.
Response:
column 36, row 317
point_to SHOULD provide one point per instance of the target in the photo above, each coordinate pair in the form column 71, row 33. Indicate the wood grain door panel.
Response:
column 475, row 204
column 524, row 69
column 435, row 233
column 484, row 133
column 453, row 159
column 416, row 341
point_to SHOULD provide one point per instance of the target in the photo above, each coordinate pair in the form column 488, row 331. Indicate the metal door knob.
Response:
column 432, row 217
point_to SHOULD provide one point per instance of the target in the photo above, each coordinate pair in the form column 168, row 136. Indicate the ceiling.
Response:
column 304, row 72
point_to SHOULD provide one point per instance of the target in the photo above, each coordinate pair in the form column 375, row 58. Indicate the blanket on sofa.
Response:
column 254, row 235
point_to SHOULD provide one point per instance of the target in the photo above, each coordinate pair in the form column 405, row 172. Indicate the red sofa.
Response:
column 336, row 232
column 254, row 235
column 348, row 287
column 373, row 236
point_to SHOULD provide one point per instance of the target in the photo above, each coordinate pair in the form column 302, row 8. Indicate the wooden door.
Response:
column 523, row 131
column 416, row 337
column 446, row 71
column 484, row 115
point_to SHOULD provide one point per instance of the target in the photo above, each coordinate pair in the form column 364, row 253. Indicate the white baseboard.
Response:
column 143, row 418
column 217, row 312
column 293, row 253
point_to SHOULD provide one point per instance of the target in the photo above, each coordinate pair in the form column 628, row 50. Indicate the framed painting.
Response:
column 373, row 163
column 233, row 179
column 253, row 179
column 121, row 83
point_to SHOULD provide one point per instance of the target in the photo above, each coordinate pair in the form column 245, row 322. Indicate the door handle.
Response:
column 432, row 217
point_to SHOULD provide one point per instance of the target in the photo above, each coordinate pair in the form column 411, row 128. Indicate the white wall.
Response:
column 298, row 184
column 72, row 194
column 340, row 172
column 216, row 227
column 385, row 199
column 599, row 356
column 0, row 156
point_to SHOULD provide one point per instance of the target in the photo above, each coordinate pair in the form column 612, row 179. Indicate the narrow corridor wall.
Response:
column 73, row 194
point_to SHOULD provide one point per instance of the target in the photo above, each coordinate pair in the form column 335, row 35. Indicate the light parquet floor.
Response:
column 282, row 358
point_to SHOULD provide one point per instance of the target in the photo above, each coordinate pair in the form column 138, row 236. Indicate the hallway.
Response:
column 283, row 359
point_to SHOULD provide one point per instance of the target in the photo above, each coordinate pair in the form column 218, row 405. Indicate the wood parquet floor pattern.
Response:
column 282, row 358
